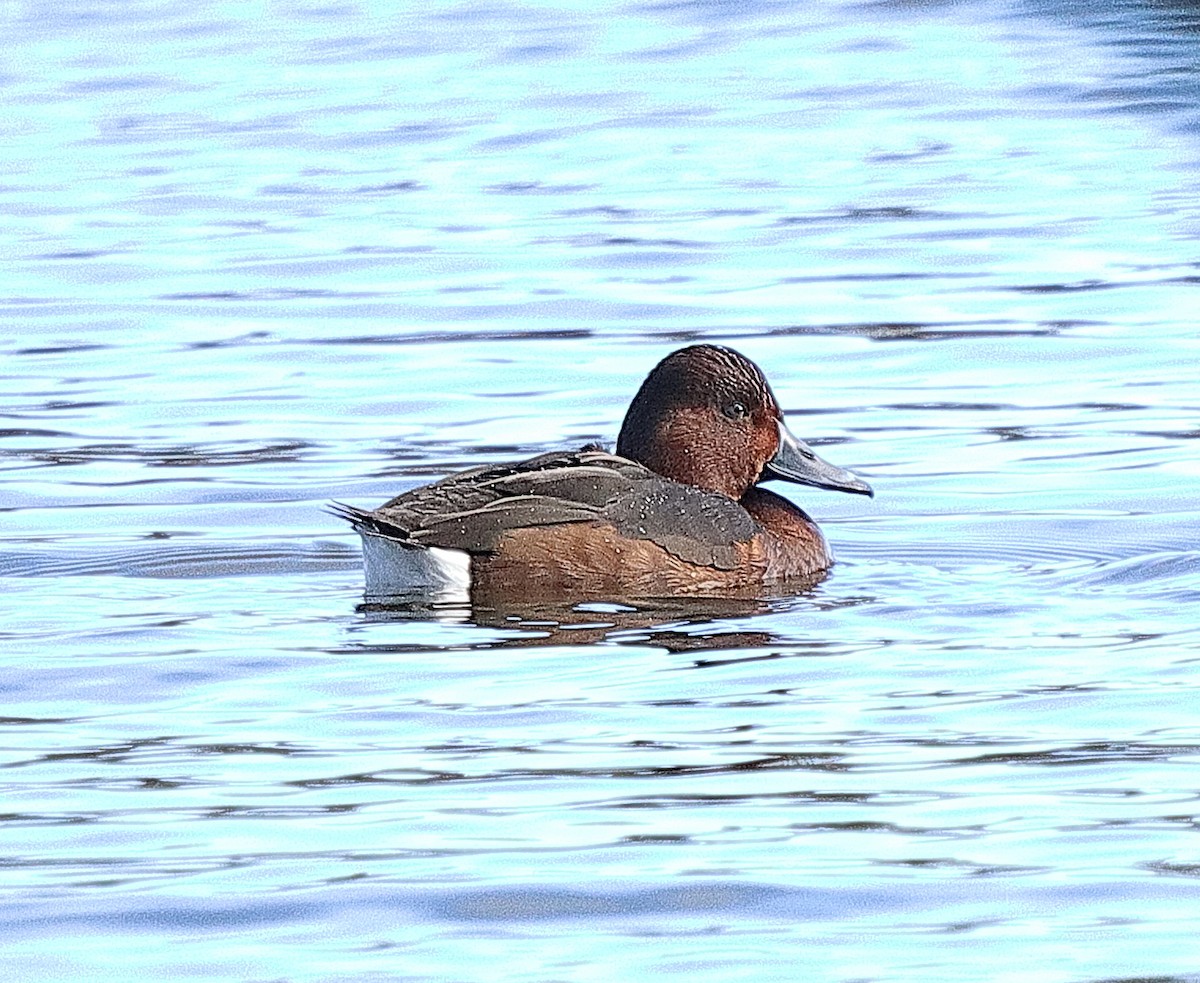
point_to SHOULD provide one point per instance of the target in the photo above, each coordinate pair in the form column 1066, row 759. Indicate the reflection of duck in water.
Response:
column 676, row 511
column 679, row 624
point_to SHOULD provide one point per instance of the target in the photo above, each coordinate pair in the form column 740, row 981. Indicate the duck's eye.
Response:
column 735, row 410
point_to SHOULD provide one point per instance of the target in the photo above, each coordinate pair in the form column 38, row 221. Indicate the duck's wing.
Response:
column 473, row 510
column 694, row 525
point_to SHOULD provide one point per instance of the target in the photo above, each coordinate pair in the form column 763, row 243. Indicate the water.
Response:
column 258, row 257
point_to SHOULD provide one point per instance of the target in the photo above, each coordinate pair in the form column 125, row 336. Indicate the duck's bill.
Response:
column 796, row 461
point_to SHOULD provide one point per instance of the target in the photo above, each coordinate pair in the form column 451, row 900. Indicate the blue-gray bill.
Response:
column 796, row 461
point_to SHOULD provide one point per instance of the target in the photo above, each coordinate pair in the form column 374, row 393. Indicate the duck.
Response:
column 678, row 509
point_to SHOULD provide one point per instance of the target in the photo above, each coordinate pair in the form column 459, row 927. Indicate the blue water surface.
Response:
column 260, row 256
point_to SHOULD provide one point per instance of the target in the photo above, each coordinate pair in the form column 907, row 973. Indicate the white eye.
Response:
column 735, row 410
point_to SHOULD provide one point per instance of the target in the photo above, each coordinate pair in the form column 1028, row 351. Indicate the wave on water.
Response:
column 178, row 561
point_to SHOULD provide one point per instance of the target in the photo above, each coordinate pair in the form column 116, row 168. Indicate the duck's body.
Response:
column 674, row 512
column 586, row 523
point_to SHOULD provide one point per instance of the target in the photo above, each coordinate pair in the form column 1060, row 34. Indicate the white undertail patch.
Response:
column 394, row 568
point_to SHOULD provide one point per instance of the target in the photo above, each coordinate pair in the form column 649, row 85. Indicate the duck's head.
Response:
column 705, row 416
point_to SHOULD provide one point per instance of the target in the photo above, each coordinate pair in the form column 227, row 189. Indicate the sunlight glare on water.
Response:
column 261, row 257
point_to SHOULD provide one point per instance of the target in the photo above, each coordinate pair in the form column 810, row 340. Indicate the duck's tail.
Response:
column 396, row 564
column 372, row 523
